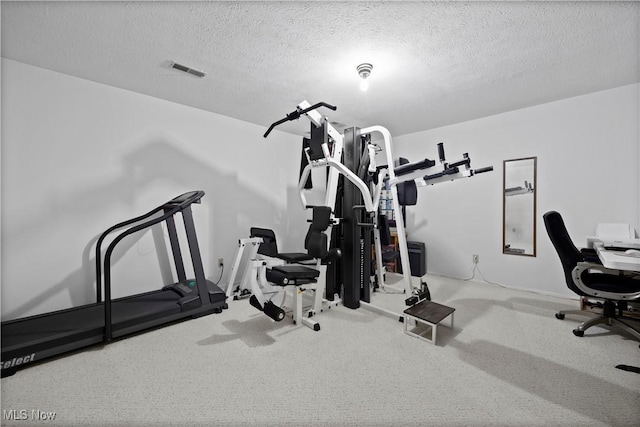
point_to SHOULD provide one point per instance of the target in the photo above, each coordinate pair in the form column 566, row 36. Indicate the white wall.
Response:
column 588, row 151
column 78, row 157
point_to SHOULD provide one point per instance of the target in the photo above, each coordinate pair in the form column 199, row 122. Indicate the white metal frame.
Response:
column 265, row 291
column 397, row 211
column 253, row 244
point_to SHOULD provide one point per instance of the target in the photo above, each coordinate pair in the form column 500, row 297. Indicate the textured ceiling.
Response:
column 434, row 63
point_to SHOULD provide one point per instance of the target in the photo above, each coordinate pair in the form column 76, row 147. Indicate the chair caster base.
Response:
column 559, row 316
column 578, row 333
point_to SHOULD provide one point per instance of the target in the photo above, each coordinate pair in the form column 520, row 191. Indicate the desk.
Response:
column 616, row 260
column 612, row 241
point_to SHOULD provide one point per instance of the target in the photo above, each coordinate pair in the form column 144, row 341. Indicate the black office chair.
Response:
column 587, row 279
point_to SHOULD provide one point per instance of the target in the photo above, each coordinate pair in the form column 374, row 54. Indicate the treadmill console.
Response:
column 184, row 288
column 184, row 200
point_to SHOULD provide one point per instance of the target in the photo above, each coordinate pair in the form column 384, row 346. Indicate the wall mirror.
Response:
column 519, row 207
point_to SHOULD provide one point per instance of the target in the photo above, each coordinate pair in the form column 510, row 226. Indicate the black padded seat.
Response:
column 284, row 275
column 294, row 257
column 611, row 283
column 269, row 247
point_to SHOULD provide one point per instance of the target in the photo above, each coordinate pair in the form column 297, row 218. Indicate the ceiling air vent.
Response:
column 188, row 70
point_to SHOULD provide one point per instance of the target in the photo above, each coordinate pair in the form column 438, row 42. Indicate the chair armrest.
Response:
column 584, row 267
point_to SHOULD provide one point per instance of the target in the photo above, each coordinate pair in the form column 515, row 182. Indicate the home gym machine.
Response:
column 353, row 191
column 354, row 187
column 39, row 337
column 324, row 149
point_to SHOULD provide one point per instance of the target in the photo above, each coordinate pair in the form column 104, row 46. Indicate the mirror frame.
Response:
column 534, row 187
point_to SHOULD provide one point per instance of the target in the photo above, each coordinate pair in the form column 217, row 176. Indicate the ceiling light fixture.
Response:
column 364, row 70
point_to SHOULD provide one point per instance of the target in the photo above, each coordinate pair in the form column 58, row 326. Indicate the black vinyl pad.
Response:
column 297, row 271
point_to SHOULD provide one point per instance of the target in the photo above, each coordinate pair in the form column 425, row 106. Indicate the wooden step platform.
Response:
column 425, row 316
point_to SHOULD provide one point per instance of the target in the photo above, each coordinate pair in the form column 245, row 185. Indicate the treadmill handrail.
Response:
column 177, row 204
column 171, row 208
column 99, row 247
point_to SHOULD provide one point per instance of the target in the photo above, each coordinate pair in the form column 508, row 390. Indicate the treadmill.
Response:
column 35, row 338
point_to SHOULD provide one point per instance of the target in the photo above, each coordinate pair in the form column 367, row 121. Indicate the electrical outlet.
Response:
column 476, row 259
column 220, row 262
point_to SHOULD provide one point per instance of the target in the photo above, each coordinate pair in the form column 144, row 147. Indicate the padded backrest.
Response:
column 268, row 247
column 408, row 190
column 316, row 240
column 385, row 232
column 567, row 251
column 319, row 136
column 321, row 218
column 317, row 245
